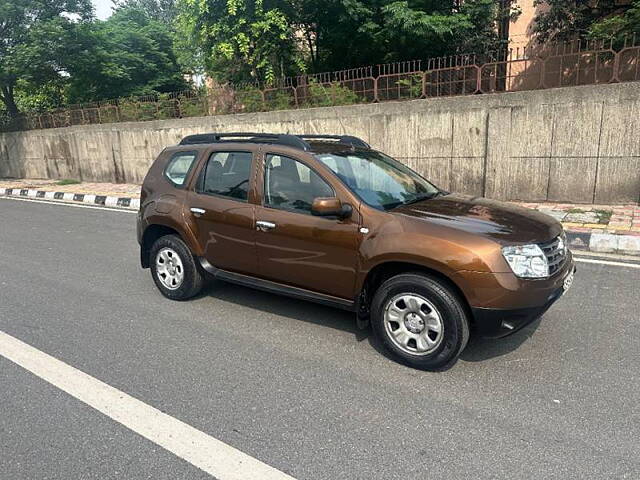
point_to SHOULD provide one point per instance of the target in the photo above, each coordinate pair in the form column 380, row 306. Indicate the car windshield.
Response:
column 379, row 180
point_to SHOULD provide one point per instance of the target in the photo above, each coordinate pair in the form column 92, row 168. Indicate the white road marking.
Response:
column 199, row 449
column 607, row 262
column 96, row 207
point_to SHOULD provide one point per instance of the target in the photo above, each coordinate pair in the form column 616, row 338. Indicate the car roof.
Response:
column 307, row 143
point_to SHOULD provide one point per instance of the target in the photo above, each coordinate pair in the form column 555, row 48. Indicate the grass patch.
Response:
column 576, row 210
column 68, row 181
column 604, row 215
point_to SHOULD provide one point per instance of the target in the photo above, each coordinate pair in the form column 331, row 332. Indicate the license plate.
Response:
column 568, row 281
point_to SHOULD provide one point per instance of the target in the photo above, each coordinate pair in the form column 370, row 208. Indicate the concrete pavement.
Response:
column 293, row 384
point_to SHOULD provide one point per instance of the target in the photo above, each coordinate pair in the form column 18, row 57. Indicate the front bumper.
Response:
column 504, row 304
column 496, row 323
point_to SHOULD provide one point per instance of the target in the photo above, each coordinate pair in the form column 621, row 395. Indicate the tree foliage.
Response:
column 604, row 19
column 240, row 40
column 256, row 40
column 128, row 54
column 160, row 10
column 35, row 39
column 54, row 52
column 625, row 23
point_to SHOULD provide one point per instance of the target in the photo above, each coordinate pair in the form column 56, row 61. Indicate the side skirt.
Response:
column 277, row 288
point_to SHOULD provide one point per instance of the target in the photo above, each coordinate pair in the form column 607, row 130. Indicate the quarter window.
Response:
column 227, row 174
column 291, row 185
column 178, row 167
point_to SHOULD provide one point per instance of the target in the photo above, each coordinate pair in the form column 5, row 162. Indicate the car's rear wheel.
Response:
column 174, row 269
column 420, row 320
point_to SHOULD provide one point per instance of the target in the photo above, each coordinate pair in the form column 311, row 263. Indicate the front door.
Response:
column 293, row 246
column 223, row 217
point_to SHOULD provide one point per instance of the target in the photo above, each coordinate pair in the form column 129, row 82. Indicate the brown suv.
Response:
column 328, row 219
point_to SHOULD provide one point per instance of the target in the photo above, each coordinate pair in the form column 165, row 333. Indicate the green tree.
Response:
column 160, row 10
column 625, row 23
column 564, row 20
column 440, row 28
column 241, row 40
column 340, row 34
column 36, row 43
column 128, row 54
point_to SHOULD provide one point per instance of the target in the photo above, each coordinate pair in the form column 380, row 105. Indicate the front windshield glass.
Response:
column 377, row 179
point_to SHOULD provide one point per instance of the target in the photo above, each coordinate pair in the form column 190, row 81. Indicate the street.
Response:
column 293, row 384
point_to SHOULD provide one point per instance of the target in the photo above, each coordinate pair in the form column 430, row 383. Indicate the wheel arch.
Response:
column 152, row 233
column 385, row 270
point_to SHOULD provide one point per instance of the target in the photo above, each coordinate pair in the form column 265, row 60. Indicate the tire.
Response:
column 186, row 279
column 432, row 328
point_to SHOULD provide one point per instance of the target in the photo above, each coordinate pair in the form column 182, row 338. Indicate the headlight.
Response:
column 562, row 243
column 526, row 261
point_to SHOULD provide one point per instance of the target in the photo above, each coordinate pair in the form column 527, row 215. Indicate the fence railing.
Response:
column 536, row 67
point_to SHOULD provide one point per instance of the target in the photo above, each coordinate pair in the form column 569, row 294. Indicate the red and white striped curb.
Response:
column 102, row 200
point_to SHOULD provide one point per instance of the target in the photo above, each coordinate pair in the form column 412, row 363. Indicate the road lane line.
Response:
column 607, row 262
column 64, row 204
column 199, row 449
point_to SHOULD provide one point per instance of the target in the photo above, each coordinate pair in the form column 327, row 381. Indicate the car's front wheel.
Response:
column 420, row 320
column 174, row 269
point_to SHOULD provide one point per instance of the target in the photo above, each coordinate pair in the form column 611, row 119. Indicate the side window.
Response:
column 291, row 185
column 178, row 167
column 227, row 174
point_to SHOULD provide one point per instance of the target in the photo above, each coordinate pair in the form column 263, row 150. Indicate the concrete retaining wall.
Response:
column 578, row 144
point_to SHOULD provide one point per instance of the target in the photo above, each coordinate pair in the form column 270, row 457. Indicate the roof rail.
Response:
column 296, row 141
column 346, row 139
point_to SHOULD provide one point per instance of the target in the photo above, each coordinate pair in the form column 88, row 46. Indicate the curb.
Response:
column 597, row 242
column 604, row 242
column 126, row 203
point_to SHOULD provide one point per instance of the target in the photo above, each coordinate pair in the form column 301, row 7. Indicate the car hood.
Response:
column 503, row 222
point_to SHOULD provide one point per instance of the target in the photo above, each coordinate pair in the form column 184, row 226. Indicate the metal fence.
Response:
column 536, row 67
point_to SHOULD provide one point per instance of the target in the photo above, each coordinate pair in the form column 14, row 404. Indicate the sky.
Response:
column 103, row 8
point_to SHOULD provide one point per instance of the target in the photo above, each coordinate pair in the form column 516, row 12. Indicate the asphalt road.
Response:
column 294, row 384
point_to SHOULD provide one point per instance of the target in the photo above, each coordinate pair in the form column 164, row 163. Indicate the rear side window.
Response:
column 178, row 167
column 227, row 174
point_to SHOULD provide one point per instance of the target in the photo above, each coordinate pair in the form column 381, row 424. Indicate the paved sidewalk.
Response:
column 109, row 189
column 621, row 219
column 598, row 228
column 112, row 195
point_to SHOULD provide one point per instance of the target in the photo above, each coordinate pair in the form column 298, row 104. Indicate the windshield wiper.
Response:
column 391, row 206
column 420, row 198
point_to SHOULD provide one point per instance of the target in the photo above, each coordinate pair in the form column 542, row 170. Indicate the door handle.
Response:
column 264, row 226
column 198, row 212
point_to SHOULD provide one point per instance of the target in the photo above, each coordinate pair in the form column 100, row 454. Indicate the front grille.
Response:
column 556, row 253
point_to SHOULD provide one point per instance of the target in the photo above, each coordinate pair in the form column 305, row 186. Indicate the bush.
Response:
column 279, row 99
column 410, row 87
column 128, row 110
column 249, row 99
column 147, row 110
column 193, row 106
column 328, row 95
column 109, row 114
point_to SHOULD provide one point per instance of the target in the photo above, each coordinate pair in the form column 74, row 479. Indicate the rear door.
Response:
column 223, row 215
column 295, row 247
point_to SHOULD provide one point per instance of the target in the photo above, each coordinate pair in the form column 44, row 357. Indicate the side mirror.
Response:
column 331, row 207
